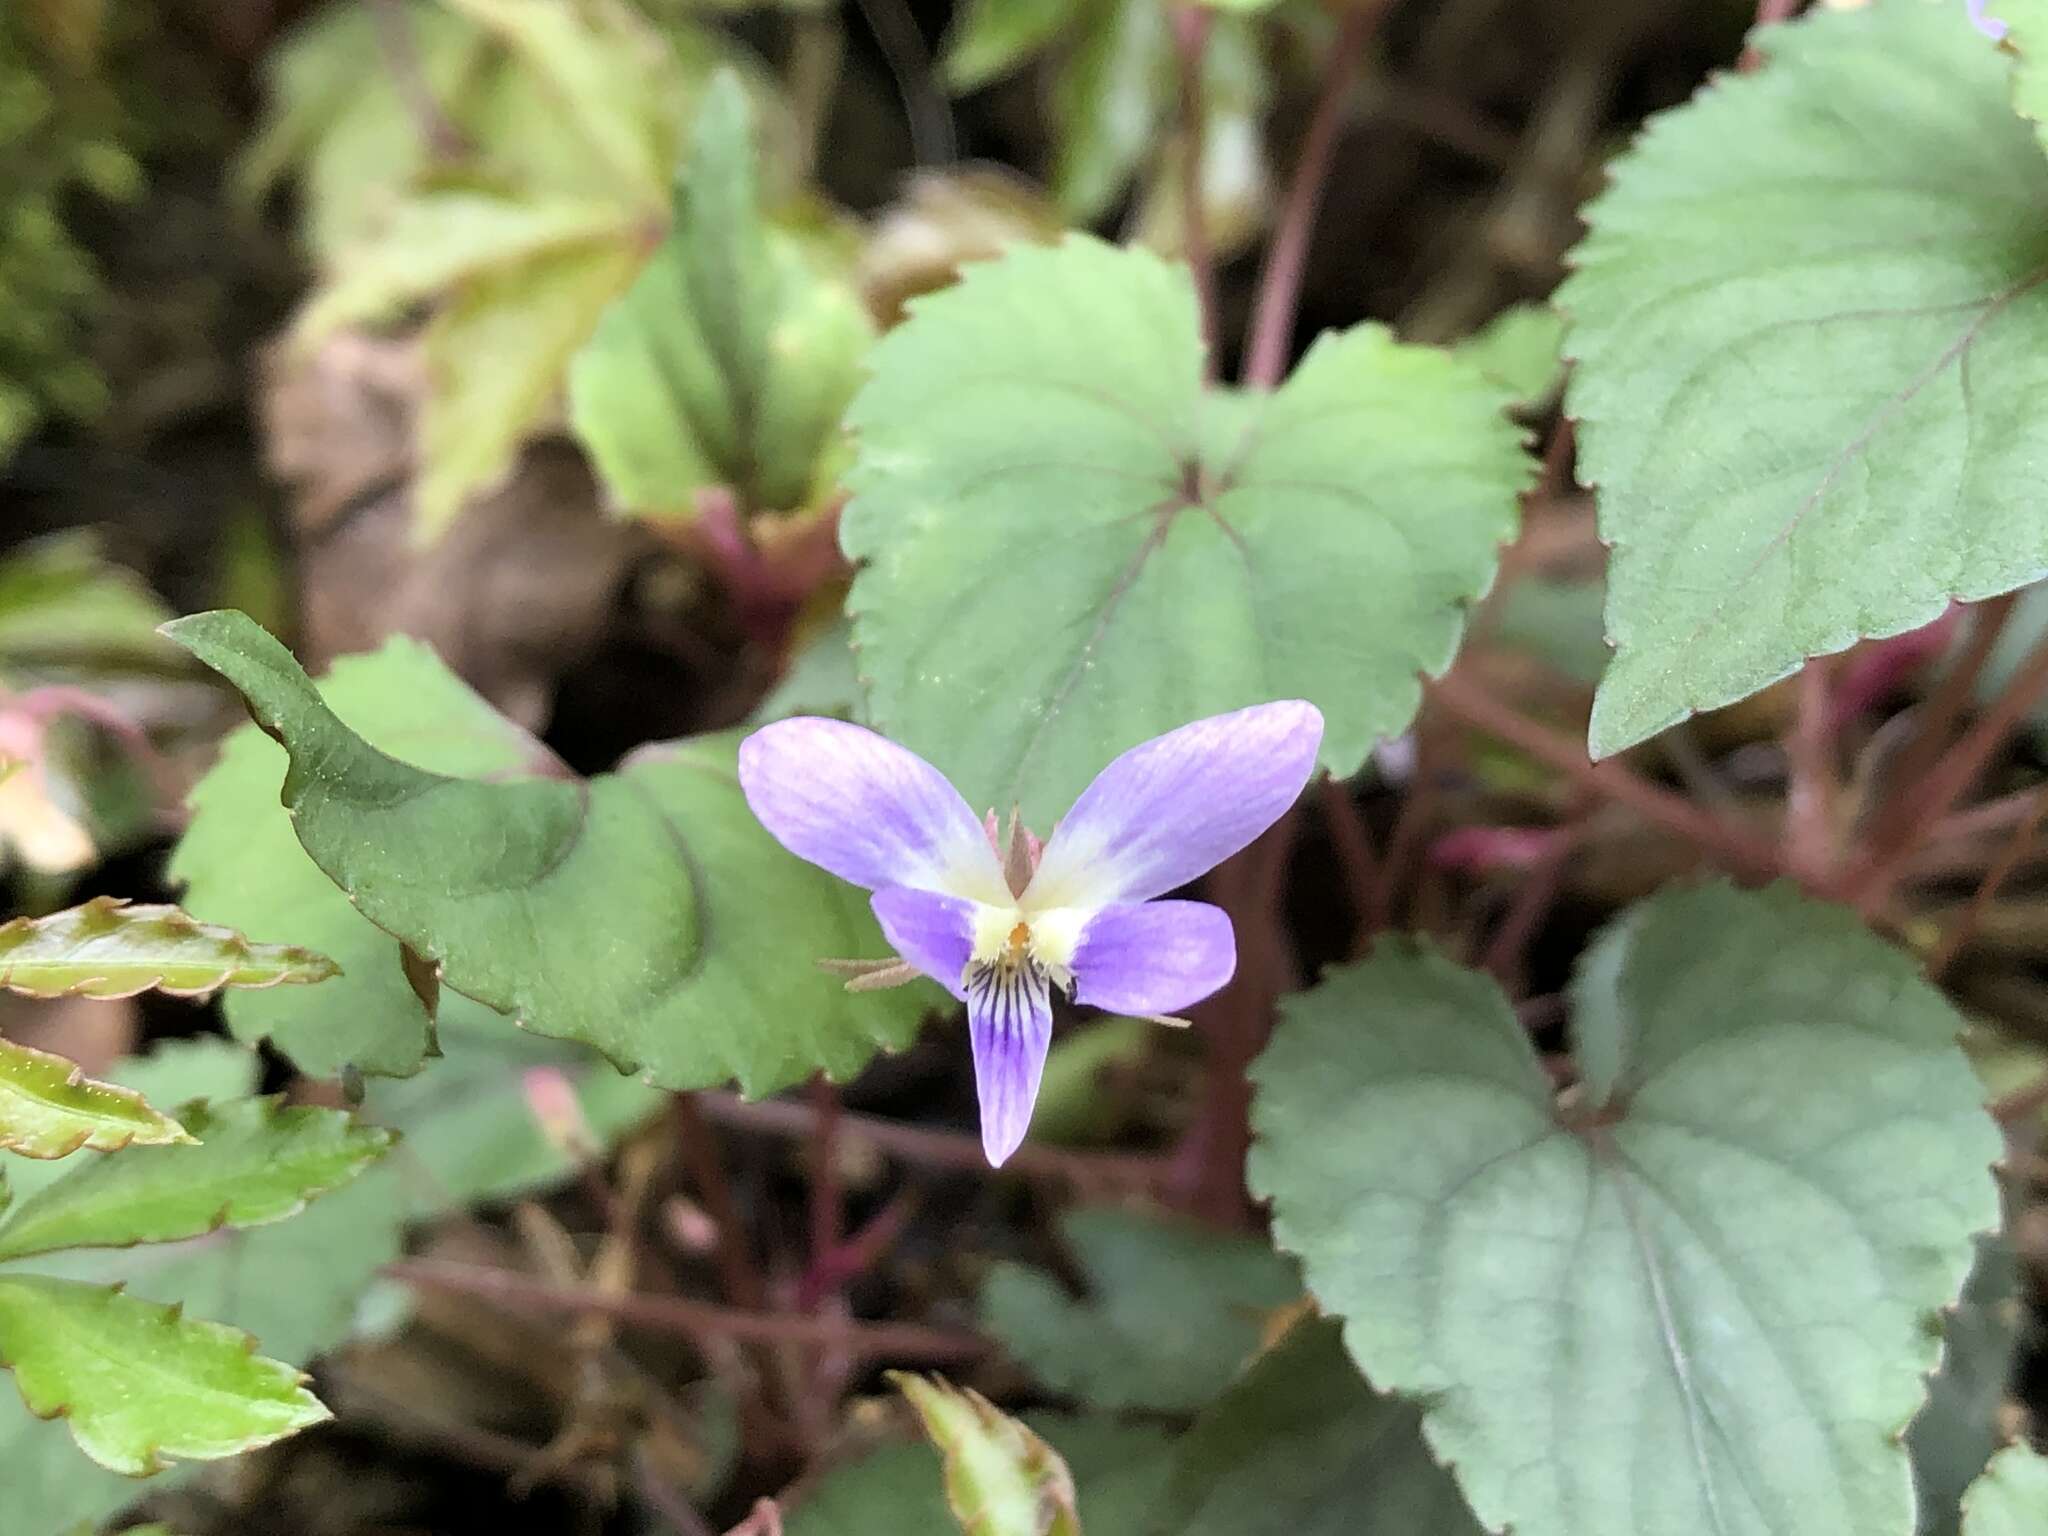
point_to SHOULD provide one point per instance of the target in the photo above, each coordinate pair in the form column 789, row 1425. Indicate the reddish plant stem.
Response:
column 1533, row 900
column 1409, row 839
column 1191, row 43
column 686, row 1316
column 1972, row 917
column 826, row 1213
column 1810, row 780
column 853, row 1257
column 939, row 1149
column 1736, row 847
column 1272, row 328
column 1998, row 815
column 1938, row 717
column 1352, row 841
column 737, row 1273
column 1950, row 777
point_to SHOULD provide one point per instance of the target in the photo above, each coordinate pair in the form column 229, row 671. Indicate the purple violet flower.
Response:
column 1990, row 26
column 1001, row 926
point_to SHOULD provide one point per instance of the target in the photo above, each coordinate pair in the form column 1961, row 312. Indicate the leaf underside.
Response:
column 49, row 1108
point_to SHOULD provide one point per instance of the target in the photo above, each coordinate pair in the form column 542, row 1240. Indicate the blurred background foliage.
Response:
column 522, row 327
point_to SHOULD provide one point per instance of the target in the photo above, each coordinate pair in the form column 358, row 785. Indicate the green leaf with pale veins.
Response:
column 2011, row 1498
column 1301, row 1446
column 644, row 912
column 1173, row 1311
column 731, row 358
column 240, row 863
column 294, row 1284
column 1736, row 1230
column 137, row 1382
column 1070, row 547
column 49, row 1108
column 1001, row 1478
column 256, row 1161
column 108, row 948
column 1810, row 326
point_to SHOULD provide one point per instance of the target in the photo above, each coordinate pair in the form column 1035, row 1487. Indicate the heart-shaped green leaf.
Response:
column 644, row 912
column 1734, row 1231
column 137, row 1381
column 256, row 1161
column 1070, row 546
column 1302, row 1445
column 49, row 1108
column 1807, row 373
column 1174, row 1310
column 240, row 863
column 108, row 948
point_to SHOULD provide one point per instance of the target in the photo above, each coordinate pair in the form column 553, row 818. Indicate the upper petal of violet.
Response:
column 1154, row 957
column 869, row 811
column 1178, row 805
column 934, row 933
column 1990, row 26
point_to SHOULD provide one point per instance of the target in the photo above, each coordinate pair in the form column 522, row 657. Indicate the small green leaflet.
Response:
column 1300, row 1444
column 1806, row 374
column 1001, row 1478
column 240, row 863
column 65, row 608
column 49, row 1108
column 1737, row 1226
column 137, row 1382
column 256, row 1161
column 1174, row 1310
column 644, row 912
column 108, row 948
column 293, row 1284
column 1083, row 549
column 732, row 356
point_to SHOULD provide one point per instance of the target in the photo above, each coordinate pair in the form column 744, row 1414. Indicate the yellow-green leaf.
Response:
column 49, row 1108
column 108, row 948
column 1001, row 1479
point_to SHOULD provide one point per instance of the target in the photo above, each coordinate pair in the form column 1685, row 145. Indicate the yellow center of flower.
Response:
column 1010, row 939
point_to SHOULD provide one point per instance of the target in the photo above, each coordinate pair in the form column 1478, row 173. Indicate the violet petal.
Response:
column 1990, row 26
column 1178, row 805
column 1154, row 956
column 869, row 811
column 934, row 933
column 1009, row 1020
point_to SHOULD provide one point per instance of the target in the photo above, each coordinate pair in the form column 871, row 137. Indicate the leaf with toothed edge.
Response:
column 50, row 1108
column 1069, row 546
column 256, row 1161
column 108, row 948
column 1736, row 1229
column 643, row 912
column 137, row 1382
column 1809, row 324
column 2011, row 1498
column 240, row 864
